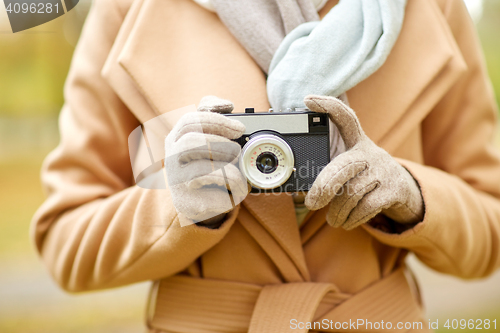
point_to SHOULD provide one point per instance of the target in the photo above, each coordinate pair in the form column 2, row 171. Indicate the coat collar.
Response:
column 175, row 52
column 423, row 65
column 170, row 53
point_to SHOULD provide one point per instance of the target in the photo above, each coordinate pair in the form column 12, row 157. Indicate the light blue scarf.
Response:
column 331, row 56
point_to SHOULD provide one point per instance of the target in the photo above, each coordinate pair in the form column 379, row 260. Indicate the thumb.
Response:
column 342, row 116
column 215, row 104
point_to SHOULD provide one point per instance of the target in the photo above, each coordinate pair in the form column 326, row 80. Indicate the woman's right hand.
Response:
column 200, row 162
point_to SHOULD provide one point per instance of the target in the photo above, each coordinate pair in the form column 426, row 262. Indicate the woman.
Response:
column 429, row 106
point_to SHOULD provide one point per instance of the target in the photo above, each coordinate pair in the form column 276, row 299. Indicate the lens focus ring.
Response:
column 267, row 161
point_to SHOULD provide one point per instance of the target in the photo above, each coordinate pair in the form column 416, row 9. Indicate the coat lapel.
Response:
column 424, row 63
column 177, row 52
column 119, row 79
column 276, row 214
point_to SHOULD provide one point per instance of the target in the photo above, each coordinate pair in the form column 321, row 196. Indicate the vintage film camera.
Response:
column 283, row 151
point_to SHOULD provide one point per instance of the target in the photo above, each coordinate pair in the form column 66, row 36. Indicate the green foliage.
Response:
column 33, row 66
column 489, row 33
column 20, row 195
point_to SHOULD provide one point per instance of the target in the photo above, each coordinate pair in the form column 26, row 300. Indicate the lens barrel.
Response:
column 266, row 160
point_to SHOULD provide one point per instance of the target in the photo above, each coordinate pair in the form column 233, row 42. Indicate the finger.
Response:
column 331, row 179
column 208, row 123
column 201, row 204
column 368, row 207
column 342, row 116
column 184, row 173
column 349, row 199
column 228, row 177
column 236, row 183
column 196, row 146
column 215, row 104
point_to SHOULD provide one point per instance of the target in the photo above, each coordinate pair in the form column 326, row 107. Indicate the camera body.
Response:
column 283, row 151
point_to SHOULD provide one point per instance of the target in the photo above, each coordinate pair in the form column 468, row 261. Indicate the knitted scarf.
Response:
column 303, row 55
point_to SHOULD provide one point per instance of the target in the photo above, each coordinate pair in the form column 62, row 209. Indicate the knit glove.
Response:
column 364, row 180
column 201, row 162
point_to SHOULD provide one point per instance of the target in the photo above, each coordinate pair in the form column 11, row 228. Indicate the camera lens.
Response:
column 266, row 162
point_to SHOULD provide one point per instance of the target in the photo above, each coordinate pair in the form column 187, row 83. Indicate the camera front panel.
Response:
column 312, row 154
column 310, row 149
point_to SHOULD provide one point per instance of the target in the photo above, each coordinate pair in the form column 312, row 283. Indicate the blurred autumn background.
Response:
column 33, row 67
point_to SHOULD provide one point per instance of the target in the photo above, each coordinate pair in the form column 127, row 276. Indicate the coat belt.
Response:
column 182, row 304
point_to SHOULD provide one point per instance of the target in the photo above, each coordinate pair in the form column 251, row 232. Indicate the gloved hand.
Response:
column 200, row 162
column 364, row 180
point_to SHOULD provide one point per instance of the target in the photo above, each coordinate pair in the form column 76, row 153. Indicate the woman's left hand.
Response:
column 364, row 180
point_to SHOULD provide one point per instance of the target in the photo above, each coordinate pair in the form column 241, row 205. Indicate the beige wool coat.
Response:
column 430, row 105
